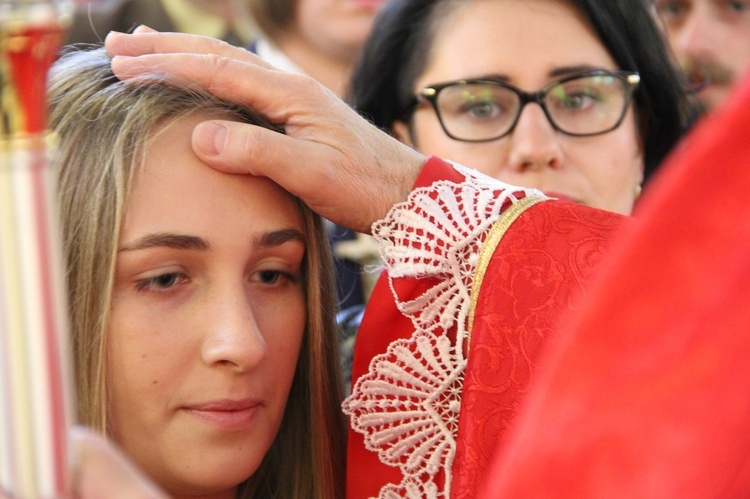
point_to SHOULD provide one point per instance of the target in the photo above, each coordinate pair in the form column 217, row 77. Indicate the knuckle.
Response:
column 247, row 144
column 220, row 67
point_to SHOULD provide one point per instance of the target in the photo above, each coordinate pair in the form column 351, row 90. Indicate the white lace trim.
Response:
column 407, row 405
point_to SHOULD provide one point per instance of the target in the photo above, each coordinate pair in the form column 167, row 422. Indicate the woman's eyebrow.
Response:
column 279, row 237
column 491, row 76
column 570, row 70
column 181, row 241
column 559, row 72
column 169, row 240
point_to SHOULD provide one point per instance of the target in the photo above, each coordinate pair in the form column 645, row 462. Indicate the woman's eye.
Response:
column 482, row 110
column 738, row 6
column 273, row 276
column 574, row 102
column 670, row 8
column 160, row 282
column 578, row 101
column 269, row 276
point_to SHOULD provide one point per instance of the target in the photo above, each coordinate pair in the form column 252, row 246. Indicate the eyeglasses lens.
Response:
column 587, row 105
column 477, row 111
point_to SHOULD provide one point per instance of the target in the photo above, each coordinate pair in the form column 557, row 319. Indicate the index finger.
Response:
column 265, row 89
column 153, row 42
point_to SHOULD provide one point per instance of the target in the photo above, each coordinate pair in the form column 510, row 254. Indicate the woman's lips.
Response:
column 370, row 4
column 226, row 414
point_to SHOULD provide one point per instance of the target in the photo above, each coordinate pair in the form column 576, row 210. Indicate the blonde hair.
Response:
column 103, row 125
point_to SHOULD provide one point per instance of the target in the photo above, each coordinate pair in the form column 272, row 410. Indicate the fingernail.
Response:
column 119, row 64
column 111, row 36
column 210, row 138
column 144, row 29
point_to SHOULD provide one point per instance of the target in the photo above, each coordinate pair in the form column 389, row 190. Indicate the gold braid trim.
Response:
column 498, row 230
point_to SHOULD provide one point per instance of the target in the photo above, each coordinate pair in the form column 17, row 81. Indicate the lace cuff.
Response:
column 438, row 232
column 407, row 405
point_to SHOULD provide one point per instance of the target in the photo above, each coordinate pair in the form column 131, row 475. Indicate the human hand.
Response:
column 343, row 167
column 100, row 470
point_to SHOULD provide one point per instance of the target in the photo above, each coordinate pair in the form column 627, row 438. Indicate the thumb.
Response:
column 351, row 175
column 234, row 147
column 209, row 142
column 242, row 148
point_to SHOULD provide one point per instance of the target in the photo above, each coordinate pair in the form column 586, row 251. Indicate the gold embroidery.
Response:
column 499, row 228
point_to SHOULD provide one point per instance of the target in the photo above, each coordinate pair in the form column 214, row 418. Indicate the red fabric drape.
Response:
column 538, row 272
column 648, row 394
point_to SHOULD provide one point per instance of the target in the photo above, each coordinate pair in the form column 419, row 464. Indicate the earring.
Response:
column 637, row 191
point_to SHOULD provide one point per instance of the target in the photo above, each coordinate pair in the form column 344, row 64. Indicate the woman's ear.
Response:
column 402, row 132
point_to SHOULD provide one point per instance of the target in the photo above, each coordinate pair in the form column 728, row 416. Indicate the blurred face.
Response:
column 208, row 314
column 711, row 40
column 337, row 27
column 529, row 44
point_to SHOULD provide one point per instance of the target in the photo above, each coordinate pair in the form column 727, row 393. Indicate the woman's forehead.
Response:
column 524, row 41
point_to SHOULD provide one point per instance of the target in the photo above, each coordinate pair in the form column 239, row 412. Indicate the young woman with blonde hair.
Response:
column 203, row 333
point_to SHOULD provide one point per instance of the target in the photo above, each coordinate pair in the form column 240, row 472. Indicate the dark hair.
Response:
column 273, row 16
column 397, row 51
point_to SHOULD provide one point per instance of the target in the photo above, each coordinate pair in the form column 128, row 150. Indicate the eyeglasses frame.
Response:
column 431, row 92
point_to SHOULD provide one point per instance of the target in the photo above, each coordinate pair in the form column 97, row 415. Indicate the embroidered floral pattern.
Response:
column 408, row 404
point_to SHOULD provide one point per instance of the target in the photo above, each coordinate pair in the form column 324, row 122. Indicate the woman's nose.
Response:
column 232, row 337
column 535, row 143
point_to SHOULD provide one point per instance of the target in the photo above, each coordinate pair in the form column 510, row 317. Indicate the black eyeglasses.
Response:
column 480, row 110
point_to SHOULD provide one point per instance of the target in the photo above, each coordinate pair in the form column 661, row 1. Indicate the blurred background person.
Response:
column 711, row 41
column 228, row 20
column 320, row 38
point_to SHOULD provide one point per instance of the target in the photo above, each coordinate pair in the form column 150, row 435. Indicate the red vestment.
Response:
column 478, row 273
column 648, row 392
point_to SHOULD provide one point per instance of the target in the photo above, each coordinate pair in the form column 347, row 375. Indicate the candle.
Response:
column 35, row 371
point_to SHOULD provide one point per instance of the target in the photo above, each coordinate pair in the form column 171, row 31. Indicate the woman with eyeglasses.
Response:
column 574, row 97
